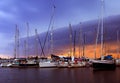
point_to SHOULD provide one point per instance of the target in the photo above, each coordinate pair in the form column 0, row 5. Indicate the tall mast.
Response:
column 80, row 40
column 49, row 26
column 74, row 51
column 84, row 42
column 25, row 48
column 42, row 51
column 36, row 44
column 102, row 9
column 51, row 32
column 97, row 35
column 118, row 44
column 27, row 38
column 70, row 36
column 17, row 42
column 16, row 49
column 81, row 34
column 51, row 40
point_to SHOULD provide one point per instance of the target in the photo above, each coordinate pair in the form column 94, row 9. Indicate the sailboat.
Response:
column 75, row 62
column 105, row 62
column 63, row 63
column 45, row 63
column 16, row 49
column 5, row 64
column 49, row 63
column 22, row 62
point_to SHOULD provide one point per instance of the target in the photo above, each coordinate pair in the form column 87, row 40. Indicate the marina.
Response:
column 49, row 63
column 76, row 44
column 60, row 41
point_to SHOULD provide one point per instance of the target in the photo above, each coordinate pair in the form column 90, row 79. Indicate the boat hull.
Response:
column 29, row 65
column 63, row 65
column 118, row 62
column 108, row 66
column 47, row 65
column 23, row 65
column 4, row 64
column 77, row 65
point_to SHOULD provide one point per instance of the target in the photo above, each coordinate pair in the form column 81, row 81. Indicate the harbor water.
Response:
column 58, row 75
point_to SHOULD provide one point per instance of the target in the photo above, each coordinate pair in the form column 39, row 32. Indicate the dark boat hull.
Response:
column 104, row 66
column 29, row 65
column 24, row 65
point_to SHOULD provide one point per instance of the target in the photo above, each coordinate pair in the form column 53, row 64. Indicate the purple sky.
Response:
column 38, row 12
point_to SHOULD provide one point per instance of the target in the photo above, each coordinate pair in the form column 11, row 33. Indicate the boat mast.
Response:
column 97, row 35
column 49, row 26
column 15, row 49
column 102, row 9
column 36, row 44
column 84, row 42
column 51, row 40
column 70, row 36
column 16, row 42
column 27, row 43
column 51, row 32
column 25, row 48
column 42, row 51
column 118, row 44
column 74, row 51
column 80, row 40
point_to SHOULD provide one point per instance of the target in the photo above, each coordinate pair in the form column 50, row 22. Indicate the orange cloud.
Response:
column 109, row 49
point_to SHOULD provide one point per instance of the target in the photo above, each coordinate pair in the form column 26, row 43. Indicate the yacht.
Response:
column 23, row 63
column 4, row 64
column 105, row 62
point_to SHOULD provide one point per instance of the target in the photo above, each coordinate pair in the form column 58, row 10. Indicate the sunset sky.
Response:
column 38, row 13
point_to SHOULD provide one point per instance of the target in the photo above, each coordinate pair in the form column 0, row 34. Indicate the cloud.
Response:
column 6, row 46
column 5, row 15
column 38, row 13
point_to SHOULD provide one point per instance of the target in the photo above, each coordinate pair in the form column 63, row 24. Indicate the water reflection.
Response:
column 58, row 75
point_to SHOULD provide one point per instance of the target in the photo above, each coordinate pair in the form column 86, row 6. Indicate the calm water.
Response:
column 55, row 75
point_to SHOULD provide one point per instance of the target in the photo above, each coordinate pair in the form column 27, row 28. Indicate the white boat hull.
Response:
column 62, row 65
column 118, row 62
column 5, row 64
column 77, row 65
column 47, row 64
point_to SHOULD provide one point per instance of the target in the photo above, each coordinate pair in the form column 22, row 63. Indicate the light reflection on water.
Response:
column 58, row 75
